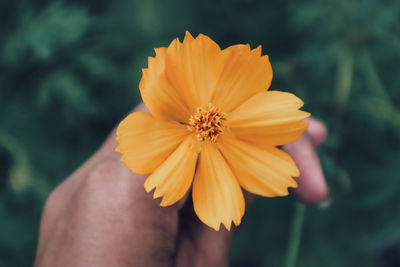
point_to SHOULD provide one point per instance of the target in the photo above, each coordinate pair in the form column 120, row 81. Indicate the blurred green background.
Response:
column 69, row 71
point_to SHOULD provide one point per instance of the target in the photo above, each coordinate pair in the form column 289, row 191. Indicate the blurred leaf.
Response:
column 43, row 33
column 62, row 88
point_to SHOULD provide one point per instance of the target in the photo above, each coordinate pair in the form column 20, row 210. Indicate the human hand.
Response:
column 102, row 216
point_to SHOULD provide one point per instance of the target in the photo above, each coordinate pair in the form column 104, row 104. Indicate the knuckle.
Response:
column 103, row 172
column 108, row 176
column 53, row 202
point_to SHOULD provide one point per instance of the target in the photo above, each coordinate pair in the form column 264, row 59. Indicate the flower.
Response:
column 213, row 126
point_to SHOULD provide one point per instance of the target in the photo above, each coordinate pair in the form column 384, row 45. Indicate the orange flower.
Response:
column 214, row 124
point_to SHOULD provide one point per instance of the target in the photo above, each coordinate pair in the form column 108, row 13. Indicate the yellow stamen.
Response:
column 207, row 123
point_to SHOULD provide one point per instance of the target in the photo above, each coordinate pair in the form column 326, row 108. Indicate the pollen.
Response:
column 207, row 123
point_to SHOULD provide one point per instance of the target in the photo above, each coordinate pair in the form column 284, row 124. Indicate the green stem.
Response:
column 343, row 81
column 374, row 81
column 295, row 235
column 372, row 77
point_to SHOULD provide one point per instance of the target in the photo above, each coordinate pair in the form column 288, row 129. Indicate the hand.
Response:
column 102, row 216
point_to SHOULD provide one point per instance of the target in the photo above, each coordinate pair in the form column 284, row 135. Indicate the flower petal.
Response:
column 162, row 99
column 217, row 197
column 145, row 142
column 266, row 172
column 269, row 118
column 173, row 178
column 244, row 73
column 192, row 67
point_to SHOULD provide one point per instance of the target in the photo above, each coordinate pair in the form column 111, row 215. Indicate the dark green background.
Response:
column 69, row 71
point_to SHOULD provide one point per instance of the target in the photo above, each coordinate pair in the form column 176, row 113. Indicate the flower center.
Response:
column 207, row 123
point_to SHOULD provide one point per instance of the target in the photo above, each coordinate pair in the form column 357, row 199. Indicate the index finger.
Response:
column 312, row 187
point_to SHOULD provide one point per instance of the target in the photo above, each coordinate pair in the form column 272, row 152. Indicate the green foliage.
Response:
column 45, row 31
column 69, row 71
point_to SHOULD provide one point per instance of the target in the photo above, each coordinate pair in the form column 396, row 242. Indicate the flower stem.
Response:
column 376, row 84
column 295, row 235
column 345, row 67
column 342, row 87
column 372, row 77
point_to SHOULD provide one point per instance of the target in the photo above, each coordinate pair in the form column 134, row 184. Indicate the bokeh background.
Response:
column 69, row 71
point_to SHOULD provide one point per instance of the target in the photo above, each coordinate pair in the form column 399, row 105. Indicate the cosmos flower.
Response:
column 213, row 127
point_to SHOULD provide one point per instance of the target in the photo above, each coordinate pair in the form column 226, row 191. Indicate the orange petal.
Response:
column 244, row 73
column 191, row 67
column 266, row 172
column 269, row 118
column 217, row 197
column 145, row 142
column 174, row 177
column 162, row 99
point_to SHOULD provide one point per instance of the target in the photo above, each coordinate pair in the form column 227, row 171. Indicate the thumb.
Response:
column 199, row 245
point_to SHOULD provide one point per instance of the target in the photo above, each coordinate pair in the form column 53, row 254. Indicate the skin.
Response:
column 102, row 216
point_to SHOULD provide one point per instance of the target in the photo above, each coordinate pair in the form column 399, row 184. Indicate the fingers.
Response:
column 312, row 187
column 317, row 131
column 102, row 213
column 199, row 245
column 111, row 221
